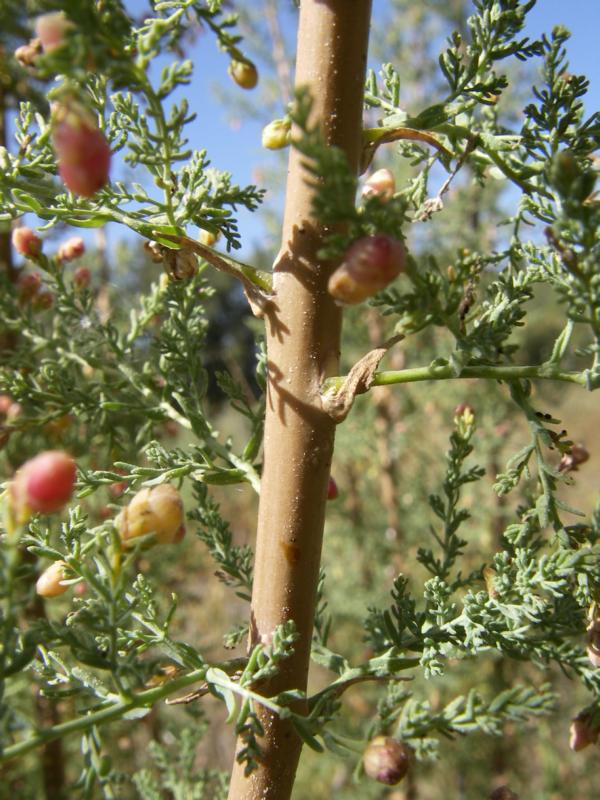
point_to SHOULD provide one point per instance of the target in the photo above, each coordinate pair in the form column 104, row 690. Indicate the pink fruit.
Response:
column 386, row 760
column 44, row 483
column 371, row 263
column 26, row 242
column 82, row 151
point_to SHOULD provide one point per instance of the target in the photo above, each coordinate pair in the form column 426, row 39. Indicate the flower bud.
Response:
column 26, row 242
column 180, row 264
column 28, row 285
column 332, row 489
column 71, row 249
column 82, row 151
column 382, row 184
column 6, row 402
column 570, row 461
column 44, row 483
column 277, row 134
column 593, row 643
column 244, row 73
column 503, row 793
column 208, row 238
column 82, row 278
column 488, row 577
column 583, row 732
column 43, row 300
column 14, row 411
column 51, row 29
column 49, row 584
column 27, row 54
column 371, row 263
column 157, row 510
column 386, row 760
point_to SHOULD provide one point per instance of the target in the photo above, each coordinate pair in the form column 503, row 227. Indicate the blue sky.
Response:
column 238, row 150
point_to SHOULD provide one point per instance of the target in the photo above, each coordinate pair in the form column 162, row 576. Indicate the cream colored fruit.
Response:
column 49, row 584
column 158, row 510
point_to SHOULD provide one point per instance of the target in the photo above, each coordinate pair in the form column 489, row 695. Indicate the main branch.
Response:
column 303, row 340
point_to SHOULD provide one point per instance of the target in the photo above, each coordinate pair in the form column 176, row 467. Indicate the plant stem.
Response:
column 444, row 372
column 303, row 342
column 115, row 710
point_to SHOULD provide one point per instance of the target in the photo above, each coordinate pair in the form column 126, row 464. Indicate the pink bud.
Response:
column 51, row 29
column 44, row 483
column 386, row 760
column 82, row 151
column 371, row 263
column 382, row 184
column 71, row 249
column 26, row 242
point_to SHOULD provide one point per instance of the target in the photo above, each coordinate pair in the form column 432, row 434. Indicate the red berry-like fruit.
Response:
column 82, row 151
column 71, row 249
column 332, row 489
column 44, row 484
column 26, row 242
column 244, row 73
column 386, row 760
column 371, row 263
column 49, row 584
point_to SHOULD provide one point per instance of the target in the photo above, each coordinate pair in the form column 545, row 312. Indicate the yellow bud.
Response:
column 277, row 134
column 208, row 238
